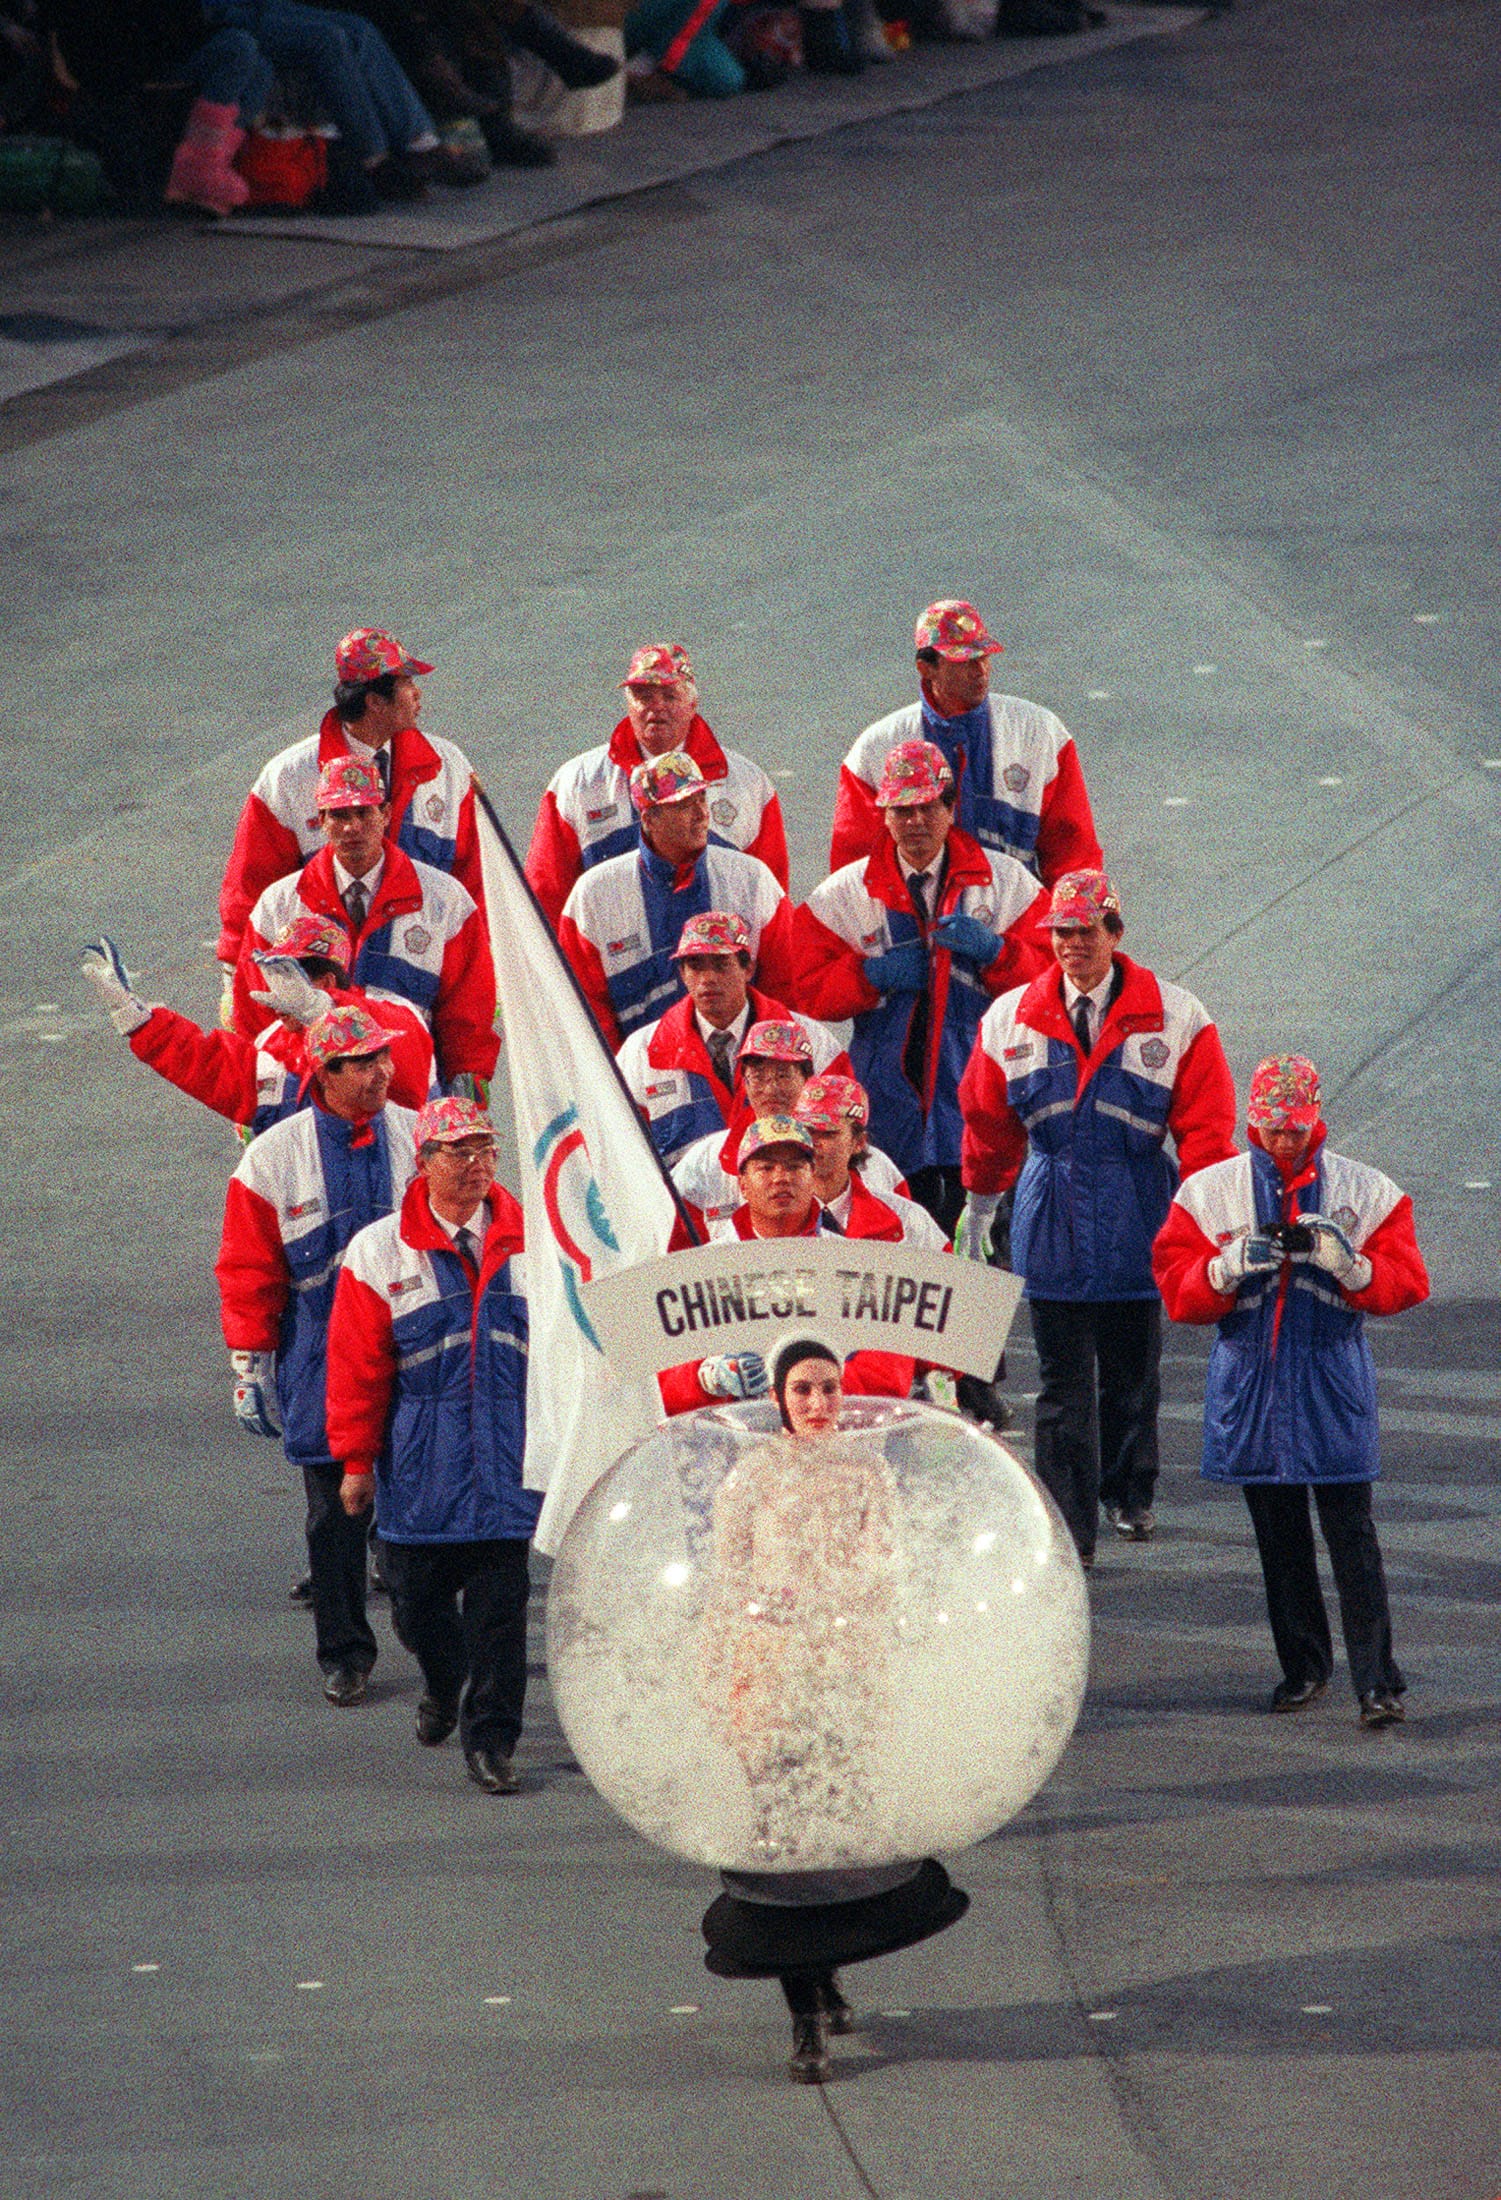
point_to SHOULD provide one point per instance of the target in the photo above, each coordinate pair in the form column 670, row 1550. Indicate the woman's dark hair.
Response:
column 350, row 696
column 787, row 1356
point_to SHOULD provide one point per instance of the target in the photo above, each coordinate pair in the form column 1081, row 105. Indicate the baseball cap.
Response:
column 773, row 1130
column 369, row 653
column 1079, row 897
column 954, row 629
column 914, row 772
column 349, row 783
column 344, row 1034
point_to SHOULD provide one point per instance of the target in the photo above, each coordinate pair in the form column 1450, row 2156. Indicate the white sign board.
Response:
column 861, row 1294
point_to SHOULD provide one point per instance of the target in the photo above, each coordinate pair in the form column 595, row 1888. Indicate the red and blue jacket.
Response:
column 423, row 941
column 586, row 815
column 432, row 818
column 1082, row 1140
column 1291, row 1389
column 909, row 1050
column 671, row 1077
column 302, row 1192
column 427, row 1375
column 624, row 918
column 1020, row 788
column 255, row 1082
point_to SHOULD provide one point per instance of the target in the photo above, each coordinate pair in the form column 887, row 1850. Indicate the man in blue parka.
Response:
column 1288, row 1248
column 427, row 1411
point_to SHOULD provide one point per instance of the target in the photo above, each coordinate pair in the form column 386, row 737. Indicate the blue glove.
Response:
column 901, row 969
column 969, row 939
column 734, row 1375
column 255, row 1406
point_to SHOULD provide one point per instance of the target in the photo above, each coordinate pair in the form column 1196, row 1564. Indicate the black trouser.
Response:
column 1294, row 1601
column 336, row 1561
column 941, row 1191
column 460, row 1608
column 1098, row 1388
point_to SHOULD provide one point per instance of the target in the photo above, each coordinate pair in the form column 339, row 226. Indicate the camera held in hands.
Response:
column 1290, row 1237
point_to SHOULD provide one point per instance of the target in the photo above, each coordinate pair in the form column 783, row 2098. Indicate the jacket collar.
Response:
column 1136, row 1007
column 626, row 751
column 744, row 1227
column 412, row 757
column 966, row 866
column 421, row 1229
column 673, row 878
column 870, row 1217
column 399, row 891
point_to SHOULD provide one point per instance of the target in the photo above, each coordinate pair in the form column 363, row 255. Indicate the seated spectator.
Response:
column 586, row 816
column 677, row 43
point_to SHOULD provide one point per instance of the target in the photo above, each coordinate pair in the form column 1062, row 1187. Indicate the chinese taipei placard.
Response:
column 859, row 1293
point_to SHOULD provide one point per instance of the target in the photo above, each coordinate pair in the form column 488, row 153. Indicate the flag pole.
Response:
column 695, row 1235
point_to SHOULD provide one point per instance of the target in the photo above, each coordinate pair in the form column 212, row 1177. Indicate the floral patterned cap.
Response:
column 1079, row 897
column 344, row 1034
column 914, row 771
column 773, row 1130
column 671, row 777
column 308, row 939
column 954, row 629
column 1284, row 1094
column 349, row 783
column 370, row 654
column 828, row 1100
column 659, row 664
column 446, row 1122
column 777, row 1040
column 715, row 932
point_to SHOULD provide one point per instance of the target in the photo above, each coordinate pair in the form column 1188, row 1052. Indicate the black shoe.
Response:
column 345, row 1685
column 578, row 65
column 492, row 1770
column 827, row 47
column 1296, row 1695
column 838, row 2017
column 810, row 2064
column 449, row 165
column 1379, row 1707
column 1086, row 1560
column 399, row 180
column 983, row 1403
column 435, row 1721
column 512, row 147
column 349, row 189
column 1137, row 1526
column 301, row 1592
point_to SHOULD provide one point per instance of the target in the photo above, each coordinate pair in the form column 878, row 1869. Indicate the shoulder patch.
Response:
column 723, row 814
column 304, row 1207
column 435, row 808
column 416, row 939
column 1154, row 1052
column 1017, row 778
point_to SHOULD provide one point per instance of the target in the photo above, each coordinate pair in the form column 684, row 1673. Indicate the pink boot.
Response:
column 202, row 174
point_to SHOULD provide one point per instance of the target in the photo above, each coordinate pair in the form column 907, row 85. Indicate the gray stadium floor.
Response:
column 1181, row 360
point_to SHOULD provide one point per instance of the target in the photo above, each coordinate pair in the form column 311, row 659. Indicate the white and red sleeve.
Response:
column 264, row 850
column 464, row 1035
column 1180, row 1263
column 995, row 1138
column 1399, row 1274
column 770, row 843
column 857, row 821
column 1066, row 838
column 216, row 1067
column 553, row 866
column 583, row 959
column 830, row 972
column 1201, row 1113
column 361, row 1373
column 254, row 1281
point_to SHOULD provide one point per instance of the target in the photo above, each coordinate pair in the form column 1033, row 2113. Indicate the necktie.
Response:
column 920, row 886
column 720, row 1049
column 356, row 901
column 468, row 1245
column 1081, row 1024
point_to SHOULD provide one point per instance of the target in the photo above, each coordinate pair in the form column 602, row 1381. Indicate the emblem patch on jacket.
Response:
column 416, row 939
column 304, row 1207
column 723, row 814
column 1016, row 1054
column 1346, row 1217
column 1154, row 1052
column 1017, row 778
column 435, row 808
column 630, row 945
column 403, row 1283
column 597, row 817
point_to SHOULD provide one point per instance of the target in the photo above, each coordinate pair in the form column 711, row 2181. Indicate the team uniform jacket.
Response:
column 624, row 918
column 671, row 1076
column 891, row 1216
column 710, row 1189
column 255, row 1082
column 866, row 1374
column 586, row 815
column 1291, row 1393
column 1082, row 1141
column 1021, row 790
column 302, row 1191
column 427, row 1375
column 432, row 818
column 423, row 941
column 865, row 909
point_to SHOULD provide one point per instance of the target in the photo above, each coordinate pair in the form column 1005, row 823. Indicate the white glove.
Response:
column 290, row 993
column 110, row 979
column 1333, row 1252
column 1250, row 1254
column 972, row 1230
column 734, row 1375
column 255, row 1395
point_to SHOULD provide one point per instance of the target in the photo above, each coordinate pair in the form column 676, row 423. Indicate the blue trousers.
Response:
column 229, row 70
column 359, row 79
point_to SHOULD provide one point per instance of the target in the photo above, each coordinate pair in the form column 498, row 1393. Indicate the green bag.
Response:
column 38, row 173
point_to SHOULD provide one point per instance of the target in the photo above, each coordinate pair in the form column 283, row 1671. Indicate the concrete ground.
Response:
column 1181, row 360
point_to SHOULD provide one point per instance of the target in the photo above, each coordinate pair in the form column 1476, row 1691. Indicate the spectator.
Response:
column 1020, row 789
column 586, row 815
column 1075, row 1084
column 427, row 1411
column 1287, row 1248
column 678, row 43
column 684, row 1071
column 621, row 923
column 407, row 929
column 429, row 782
column 913, row 941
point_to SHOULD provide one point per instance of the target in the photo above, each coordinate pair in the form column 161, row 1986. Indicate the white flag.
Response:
column 592, row 1190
